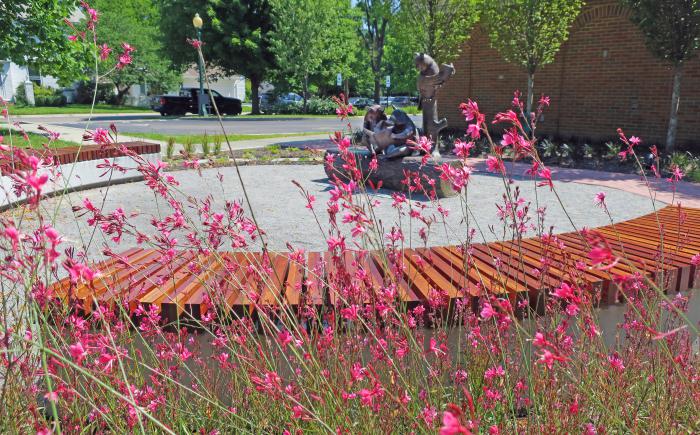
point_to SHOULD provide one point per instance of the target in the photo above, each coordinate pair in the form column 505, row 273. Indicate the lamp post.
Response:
column 201, row 99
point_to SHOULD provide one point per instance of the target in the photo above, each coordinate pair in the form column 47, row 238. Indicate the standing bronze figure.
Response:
column 430, row 79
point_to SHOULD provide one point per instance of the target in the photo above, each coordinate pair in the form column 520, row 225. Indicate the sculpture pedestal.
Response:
column 391, row 172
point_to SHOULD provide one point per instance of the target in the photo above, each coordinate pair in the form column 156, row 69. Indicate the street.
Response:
column 146, row 123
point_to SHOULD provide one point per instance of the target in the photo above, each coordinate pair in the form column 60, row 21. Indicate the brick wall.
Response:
column 602, row 78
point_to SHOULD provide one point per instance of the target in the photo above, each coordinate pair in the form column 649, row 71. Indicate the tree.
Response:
column 33, row 32
column 236, row 37
column 376, row 15
column 672, row 32
column 529, row 32
column 311, row 39
column 439, row 27
column 135, row 22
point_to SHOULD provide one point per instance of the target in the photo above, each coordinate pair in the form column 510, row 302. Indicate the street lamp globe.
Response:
column 197, row 21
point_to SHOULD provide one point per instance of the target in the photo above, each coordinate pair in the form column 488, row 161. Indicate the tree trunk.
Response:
column 377, row 89
column 675, row 101
column 121, row 93
column 306, row 92
column 346, row 89
column 255, row 95
column 530, row 94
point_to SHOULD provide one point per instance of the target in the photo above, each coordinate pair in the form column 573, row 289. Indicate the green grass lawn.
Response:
column 35, row 140
column 75, row 109
column 199, row 138
column 411, row 110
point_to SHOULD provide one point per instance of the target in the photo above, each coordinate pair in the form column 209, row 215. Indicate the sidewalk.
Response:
column 685, row 193
column 76, row 135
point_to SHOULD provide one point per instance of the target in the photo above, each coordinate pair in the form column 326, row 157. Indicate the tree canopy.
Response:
column 672, row 32
column 135, row 22
column 236, row 36
column 313, row 41
column 34, row 32
column 529, row 33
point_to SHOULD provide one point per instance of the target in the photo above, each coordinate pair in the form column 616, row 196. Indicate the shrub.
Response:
column 188, row 147
column 206, row 148
column 85, row 90
column 321, row 106
column 218, row 142
column 170, row 148
column 43, row 96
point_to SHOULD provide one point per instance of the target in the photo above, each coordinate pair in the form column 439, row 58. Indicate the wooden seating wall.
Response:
column 192, row 283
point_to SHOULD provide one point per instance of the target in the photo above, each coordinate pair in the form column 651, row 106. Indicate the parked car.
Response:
column 188, row 102
column 400, row 101
column 268, row 101
column 360, row 102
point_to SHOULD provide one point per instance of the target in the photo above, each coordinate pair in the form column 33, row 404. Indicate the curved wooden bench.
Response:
column 192, row 283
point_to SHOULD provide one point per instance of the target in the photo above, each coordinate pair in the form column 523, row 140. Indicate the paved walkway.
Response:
column 683, row 192
column 281, row 209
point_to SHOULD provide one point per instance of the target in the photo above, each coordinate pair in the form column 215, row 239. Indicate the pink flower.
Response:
column 616, row 362
column 695, row 261
column 350, row 313
column 451, row 423
column 564, row 291
column 676, row 175
column 495, row 165
column 124, row 60
column 462, row 148
column 540, row 340
column 284, row 338
column 100, row 136
column 493, row 372
column 344, row 144
column 51, row 397
column 310, row 202
column 196, row 43
column 487, row 311
column 600, row 199
column 77, row 352
column 474, row 131
column 104, row 51
column 546, row 175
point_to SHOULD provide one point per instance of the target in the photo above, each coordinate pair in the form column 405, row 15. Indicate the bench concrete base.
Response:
column 392, row 173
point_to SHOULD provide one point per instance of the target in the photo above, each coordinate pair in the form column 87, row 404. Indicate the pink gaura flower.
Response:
column 474, row 131
column 616, row 362
column 196, row 43
column 463, row 148
column 495, row 165
column 124, row 60
column 487, row 311
column 565, row 291
column 695, row 260
column 451, row 422
column 546, row 175
column 676, row 175
column 548, row 358
column 77, row 352
column 350, row 313
column 600, row 199
column 104, row 51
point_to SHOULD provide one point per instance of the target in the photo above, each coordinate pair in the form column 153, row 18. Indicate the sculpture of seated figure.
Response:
column 388, row 137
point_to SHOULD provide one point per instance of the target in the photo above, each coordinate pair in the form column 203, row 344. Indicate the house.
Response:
column 228, row 86
column 13, row 75
column 603, row 78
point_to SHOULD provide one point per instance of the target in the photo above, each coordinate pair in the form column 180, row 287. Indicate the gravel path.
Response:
column 280, row 208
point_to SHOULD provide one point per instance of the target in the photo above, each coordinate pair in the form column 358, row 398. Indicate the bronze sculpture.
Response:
column 430, row 79
column 390, row 137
